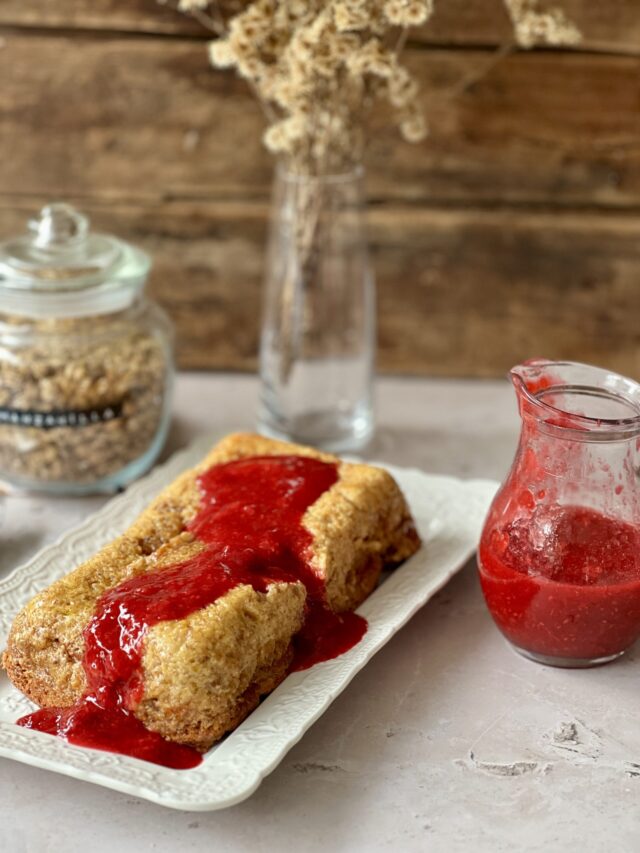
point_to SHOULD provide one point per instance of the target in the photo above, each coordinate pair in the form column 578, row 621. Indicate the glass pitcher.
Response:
column 559, row 556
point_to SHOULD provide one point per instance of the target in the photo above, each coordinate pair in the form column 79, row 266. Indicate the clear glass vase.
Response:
column 318, row 333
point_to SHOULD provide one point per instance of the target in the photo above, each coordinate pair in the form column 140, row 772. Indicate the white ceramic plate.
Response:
column 449, row 515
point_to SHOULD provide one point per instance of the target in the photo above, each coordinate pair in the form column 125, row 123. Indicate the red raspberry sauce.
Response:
column 250, row 518
column 564, row 582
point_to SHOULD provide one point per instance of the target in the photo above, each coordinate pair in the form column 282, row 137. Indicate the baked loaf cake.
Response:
column 202, row 674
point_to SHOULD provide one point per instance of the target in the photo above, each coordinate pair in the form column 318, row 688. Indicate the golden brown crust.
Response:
column 197, row 685
column 203, row 674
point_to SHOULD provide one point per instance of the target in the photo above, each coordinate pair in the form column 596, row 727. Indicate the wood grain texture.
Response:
column 512, row 231
column 138, row 117
column 461, row 293
column 608, row 25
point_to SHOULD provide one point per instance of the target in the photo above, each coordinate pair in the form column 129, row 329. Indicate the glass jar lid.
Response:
column 61, row 269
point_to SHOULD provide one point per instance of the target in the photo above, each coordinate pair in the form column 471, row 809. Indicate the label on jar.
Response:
column 60, row 417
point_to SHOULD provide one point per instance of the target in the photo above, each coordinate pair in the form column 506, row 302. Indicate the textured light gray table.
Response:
column 447, row 741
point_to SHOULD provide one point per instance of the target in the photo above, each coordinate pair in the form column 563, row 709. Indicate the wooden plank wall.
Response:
column 512, row 231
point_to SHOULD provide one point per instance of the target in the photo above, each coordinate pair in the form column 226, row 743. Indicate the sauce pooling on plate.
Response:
column 250, row 522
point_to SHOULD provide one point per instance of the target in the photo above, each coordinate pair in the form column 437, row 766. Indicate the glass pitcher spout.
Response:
column 595, row 403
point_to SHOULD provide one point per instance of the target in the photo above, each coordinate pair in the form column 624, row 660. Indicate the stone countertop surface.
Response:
column 446, row 741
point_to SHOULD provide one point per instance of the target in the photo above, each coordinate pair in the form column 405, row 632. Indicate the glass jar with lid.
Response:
column 86, row 363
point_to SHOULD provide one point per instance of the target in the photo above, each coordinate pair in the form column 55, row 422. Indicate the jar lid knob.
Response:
column 60, row 268
column 59, row 227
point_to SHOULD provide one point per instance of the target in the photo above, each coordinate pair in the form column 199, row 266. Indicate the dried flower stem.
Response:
column 215, row 24
column 300, row 273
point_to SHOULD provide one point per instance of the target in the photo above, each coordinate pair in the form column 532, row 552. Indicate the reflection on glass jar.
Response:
column 85, row 359
column 559, row 556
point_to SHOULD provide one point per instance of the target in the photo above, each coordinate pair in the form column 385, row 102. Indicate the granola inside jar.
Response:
column 86, row 362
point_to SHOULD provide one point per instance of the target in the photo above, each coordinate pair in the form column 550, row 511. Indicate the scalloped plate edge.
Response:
column 233, row 770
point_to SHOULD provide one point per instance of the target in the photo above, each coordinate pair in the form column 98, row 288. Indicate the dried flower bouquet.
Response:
column 319, row 67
